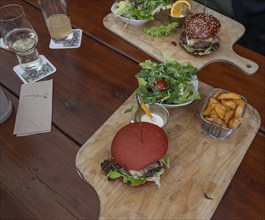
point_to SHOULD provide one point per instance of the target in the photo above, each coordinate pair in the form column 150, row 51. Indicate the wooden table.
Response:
column 38, row 176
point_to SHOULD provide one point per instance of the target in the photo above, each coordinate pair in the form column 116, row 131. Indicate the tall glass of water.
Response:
column 57, row 19
column 19, row 36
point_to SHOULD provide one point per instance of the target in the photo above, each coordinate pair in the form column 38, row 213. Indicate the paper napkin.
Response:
column 34, row 114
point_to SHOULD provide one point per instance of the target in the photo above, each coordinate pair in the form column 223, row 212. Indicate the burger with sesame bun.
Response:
column 138, row 160
column 199, row 35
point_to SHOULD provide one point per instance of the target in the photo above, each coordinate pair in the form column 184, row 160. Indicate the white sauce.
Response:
column 157, row 120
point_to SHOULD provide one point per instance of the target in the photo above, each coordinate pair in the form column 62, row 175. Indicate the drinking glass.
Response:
column 19, row 36
column 57, row 19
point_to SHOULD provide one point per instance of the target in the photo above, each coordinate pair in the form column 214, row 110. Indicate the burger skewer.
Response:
column 139, row 117
column 205, row 3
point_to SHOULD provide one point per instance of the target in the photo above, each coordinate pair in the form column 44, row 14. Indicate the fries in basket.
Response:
column 225, row 109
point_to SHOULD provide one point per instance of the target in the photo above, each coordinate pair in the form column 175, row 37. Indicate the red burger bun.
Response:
column 128, row 150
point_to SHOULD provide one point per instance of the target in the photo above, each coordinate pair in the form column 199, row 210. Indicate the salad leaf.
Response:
column 156, row 177
column 123, row 8
column 114, row 174
column 160, row 30
column 193, row 50
column 129, row 109
column 140, row 9
column 179, row 78
column 166, row 161
column 134, row 182
column 128, row 177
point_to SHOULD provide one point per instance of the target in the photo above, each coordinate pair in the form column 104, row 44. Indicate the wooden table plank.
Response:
column 11, row 207
column 39, row 179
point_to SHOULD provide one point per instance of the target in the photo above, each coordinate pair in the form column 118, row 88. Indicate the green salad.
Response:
column 167, row 83
column 139, row 9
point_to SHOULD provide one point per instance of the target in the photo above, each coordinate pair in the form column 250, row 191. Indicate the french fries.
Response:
column 225, row 109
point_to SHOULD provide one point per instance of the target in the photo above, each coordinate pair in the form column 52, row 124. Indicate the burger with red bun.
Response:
column 135, row 160
column 199, row 35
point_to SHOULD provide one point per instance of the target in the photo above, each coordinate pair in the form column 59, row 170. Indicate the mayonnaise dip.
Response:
column 157, row 120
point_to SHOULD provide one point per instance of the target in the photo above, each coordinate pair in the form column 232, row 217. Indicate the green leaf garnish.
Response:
column 157, row 31
column 166, row 161
column 129, row 109
column 114, row 174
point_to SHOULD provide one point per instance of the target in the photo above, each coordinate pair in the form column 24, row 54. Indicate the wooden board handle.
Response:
column 245, row 65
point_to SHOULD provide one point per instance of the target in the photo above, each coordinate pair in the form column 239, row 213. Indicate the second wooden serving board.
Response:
column 230, row 33
column 201, row 167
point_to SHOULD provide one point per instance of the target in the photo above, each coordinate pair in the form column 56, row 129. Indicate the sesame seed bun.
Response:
column 132, row 154
column 201, row 26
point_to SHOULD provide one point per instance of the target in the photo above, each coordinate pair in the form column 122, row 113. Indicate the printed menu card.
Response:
column 34, row 114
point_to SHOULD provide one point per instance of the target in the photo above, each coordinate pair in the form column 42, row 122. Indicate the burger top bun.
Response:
column 201, row 26
column 128, row 151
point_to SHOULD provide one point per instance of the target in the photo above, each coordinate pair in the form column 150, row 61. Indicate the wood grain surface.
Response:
column 230, row 32
column 201, row 167
column 38, row 176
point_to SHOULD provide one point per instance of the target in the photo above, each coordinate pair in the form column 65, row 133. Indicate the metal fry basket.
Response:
column 215, row 130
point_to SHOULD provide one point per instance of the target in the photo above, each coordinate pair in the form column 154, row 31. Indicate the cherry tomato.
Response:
column 161, row 84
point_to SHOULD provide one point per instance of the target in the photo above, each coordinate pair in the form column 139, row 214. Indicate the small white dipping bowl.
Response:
column 159, row 112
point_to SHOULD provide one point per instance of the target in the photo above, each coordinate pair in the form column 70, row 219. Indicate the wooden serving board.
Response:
column 201, row 167
column 229, row 34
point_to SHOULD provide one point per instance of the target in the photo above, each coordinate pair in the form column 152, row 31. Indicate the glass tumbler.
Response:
column 57, row 19
column 19, row 36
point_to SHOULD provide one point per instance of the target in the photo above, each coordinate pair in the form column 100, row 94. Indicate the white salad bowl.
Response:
column 127, row 20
